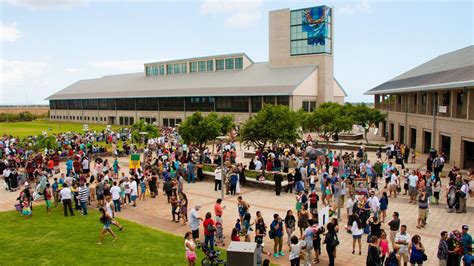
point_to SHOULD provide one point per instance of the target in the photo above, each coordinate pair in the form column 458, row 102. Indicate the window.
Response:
column 232, row 104
column 169, row 69
column 303, row 38
column 52, row 104
column 162, row 69
column 446, row 98
column 229, row 63
column 283, row 100
column 204, row 104
column 415, row 100
column 107, row 104
column 309, row 106
column 238, row 63
column 155, row 70
column 89, row 104
column 148, row 71
column 125, row 104
column 269, row 100
column 177, row 68
column 210, row 65
column 219, row 64
column 75, row 104
column 171, row 104
column 184, row 67
column 193, row 67
column 147, row 104
column 256, row 103
column 460, row 98
column 202, row 66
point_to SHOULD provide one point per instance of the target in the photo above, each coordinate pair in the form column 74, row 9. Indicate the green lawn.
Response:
column 58, row 240
column 23, row 129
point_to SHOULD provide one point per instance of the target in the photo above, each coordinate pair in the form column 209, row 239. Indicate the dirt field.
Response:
column 37, row 110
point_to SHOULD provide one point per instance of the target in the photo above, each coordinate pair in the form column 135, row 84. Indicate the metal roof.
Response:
column 450, row 70
column 257, row 79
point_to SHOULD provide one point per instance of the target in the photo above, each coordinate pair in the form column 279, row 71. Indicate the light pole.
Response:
column 221, row 140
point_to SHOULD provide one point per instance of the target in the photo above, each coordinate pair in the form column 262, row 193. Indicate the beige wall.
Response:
column 279, row 54
column 297, row 101
column 309, row 87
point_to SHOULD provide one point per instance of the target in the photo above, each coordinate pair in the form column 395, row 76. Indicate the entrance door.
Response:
column 165, row 122
column 427, row 142
column 468, row 161
column 392, row 131
column 401, row 134
column 111, row 120
column 413, row 138
column 445, row 146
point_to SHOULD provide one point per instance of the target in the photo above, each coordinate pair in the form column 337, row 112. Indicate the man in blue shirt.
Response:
column 68, row 166
column 277, row 228
column 190, row 170
column 234, row 178
column 467, row 245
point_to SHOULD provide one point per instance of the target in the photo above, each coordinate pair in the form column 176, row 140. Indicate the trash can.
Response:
column 242, row 254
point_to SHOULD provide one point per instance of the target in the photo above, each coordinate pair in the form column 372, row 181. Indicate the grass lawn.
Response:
column 23, row 129
column 58, row 240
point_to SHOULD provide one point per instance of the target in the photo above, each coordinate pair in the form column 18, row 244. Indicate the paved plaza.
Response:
column 156, row 213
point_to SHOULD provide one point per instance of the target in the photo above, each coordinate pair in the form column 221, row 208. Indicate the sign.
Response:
column 442, row 109
column 323, row 216
column 85, row 127
column 134, row 161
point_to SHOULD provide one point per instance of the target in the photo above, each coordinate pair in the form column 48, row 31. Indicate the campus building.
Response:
column 432, row 106
column 299, row 74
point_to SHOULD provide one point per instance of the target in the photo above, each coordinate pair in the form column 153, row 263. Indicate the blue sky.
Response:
column 48, row 44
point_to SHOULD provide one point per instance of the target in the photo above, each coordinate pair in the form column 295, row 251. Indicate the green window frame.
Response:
column 238, row 63
column 193, row 67
column 229, row 63
column 220, row 64
column 169, row 69
column 202, row 66
column 210, row 65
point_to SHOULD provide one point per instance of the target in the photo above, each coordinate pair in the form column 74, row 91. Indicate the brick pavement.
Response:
column 155, row 213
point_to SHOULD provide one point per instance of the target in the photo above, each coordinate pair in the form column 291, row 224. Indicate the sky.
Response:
column 47, row 45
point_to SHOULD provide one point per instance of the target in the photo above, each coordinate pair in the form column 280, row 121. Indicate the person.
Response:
column 174, row 207
column 260, row 229
column 374, row 224
column 308, row 237
column 55, row 187
column 463, row 195
column 416, row 251
column 313, row 203
column 115, row 192
column 303, row 218
column 295, row 249
column 183, row 208
column 383, row 206
column 467, row 245
column 234, row 179
column 47, row 196
column 218, row 208
column 277, row 227
column 422, row 209
column 350, row 204
column 66, row 197
column 209, row 231
column 383, row 245
column 106, row 220
column 134, row 191
column 278, row 178
column 190, row 248
column 394, row 226
column 234, row 236
column 242, row 207
column 83, row 198
column 194, row 221
column 190, row 170
column 373, row 254
column 217, row 178
column 290, row 223
column 394, row 183
column 412, row 190
column 357, row 232
column 331, row 240
column 443, row 249
column 402, row 240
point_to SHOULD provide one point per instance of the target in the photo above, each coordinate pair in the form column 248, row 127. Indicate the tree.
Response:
column 45, row 142
column 328, row 120
column 273, row 124
column 197, row 129
column 366, row 117
column 142, row 126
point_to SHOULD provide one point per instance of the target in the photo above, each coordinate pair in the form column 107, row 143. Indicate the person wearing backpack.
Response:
column 209, row 231
column 276, row 233
column 313, row 203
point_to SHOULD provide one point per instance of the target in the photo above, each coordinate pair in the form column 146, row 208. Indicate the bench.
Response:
column 251, row 182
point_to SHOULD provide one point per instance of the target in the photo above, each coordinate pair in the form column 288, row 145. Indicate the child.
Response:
column 295, row 249
column 26, row 211
column 219, row 231
column 237, row 226
column 47, row 196
column 436, row 191
column 384, row 206
column 235, row 235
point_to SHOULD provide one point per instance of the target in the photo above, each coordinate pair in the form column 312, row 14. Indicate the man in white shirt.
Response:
column 217, row 178
column 134, row 191
column 85, row 166
column 115, row 192
column 350, row 205
column 66, row 196
column 6, row 174
column 393, row 184
column 402, row 239
column 258, row 164
column 194, row 221
column 374, row 203
column 464, row 194
column 412, row 191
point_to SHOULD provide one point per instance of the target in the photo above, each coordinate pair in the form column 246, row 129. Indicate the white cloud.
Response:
column 120, row 65
column 239, row 13
column 44, row 4
column 362, row 6
column 72, row 70
column 9, row 32
column 16, row 72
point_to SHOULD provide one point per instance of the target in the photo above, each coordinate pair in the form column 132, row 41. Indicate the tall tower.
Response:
column 304, row 37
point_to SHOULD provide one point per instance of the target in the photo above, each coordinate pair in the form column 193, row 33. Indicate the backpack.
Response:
column 391, row 259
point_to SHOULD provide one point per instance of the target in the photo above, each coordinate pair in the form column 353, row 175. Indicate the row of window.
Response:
column 126, row 120
column 79, row 118
column 195, row 66
column 205, row 104
column 309, row 106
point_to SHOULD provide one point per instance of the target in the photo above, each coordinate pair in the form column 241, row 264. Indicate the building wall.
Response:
column 309, row 86
column 457, row 129
column 279, row 54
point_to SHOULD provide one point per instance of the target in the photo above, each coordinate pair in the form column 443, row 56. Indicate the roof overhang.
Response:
column 432, row 87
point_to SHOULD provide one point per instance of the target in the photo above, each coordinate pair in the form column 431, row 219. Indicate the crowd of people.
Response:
column 319, row 178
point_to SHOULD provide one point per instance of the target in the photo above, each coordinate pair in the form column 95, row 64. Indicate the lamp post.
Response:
column 221, row 140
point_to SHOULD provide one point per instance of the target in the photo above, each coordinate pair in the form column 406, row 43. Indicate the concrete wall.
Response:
column 309, row 87
column 279, row 54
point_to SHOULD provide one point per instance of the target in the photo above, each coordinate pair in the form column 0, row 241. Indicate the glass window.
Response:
column 147, row 104
column 310, row 30
column 75, row 104
column 210, row 65
column 229, row 63
column 184, row 67
column 106, row 104
column 256, row 103
column 90, row 104
column 193, row 67
column 232, row 104
column 177, row 68
column 283, row 100
column 238, row 63
column 155, row 70
column 148, row 71
column 202, row 66
column 306, row 106
column 169, row 69
column 312, row 106
column 269, row 100
column 125, row 104
column 171, row 104
column 162, row 69
column 204, row 104
column 219, row 64
column 52, row 104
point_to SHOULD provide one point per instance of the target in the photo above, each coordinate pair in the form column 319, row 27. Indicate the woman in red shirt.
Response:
column 209, row 230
